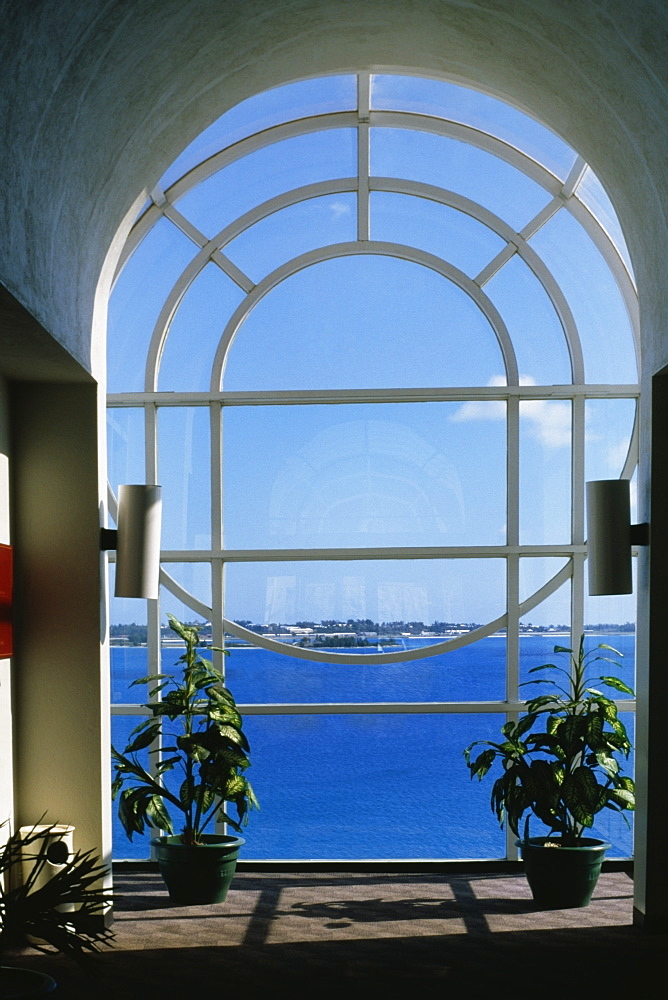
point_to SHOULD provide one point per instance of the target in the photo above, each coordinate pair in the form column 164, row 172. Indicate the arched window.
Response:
column 372, row 333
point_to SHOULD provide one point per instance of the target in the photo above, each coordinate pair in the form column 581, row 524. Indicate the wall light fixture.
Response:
column 610, row 536
column 137, row 541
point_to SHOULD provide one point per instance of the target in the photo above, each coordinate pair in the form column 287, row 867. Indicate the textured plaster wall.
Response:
column 6, row 755
column 61, row 687
column 99, row 98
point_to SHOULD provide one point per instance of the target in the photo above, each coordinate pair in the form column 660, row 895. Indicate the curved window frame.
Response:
column 561, row 194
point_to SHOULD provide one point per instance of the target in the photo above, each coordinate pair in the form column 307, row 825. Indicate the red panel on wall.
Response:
column 6, row 584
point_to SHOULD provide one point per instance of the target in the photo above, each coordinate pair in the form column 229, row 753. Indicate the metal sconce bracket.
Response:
column 108, row 539
column 640, row 533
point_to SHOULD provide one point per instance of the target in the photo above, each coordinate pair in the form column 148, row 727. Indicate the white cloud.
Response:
column 483, row 409
column 493, row 409
column 338, row 208
column 548, row 421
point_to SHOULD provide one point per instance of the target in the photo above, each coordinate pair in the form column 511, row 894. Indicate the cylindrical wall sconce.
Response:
column 609, row 536
column 138, row 541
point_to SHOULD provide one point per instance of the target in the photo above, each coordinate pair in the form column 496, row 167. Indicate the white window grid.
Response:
column 563, row 195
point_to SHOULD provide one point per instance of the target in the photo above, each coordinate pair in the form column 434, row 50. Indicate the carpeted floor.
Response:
column 295, row 935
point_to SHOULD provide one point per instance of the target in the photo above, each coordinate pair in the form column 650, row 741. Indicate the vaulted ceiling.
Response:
column 99, row 98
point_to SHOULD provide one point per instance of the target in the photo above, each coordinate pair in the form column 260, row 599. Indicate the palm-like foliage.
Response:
column 65, row 911
column 206, row 743
column 568, row 771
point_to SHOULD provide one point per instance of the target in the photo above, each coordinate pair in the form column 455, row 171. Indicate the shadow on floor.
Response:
column 316, row 935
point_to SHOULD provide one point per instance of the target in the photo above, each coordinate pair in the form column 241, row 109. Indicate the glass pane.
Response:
column 195, row 578
column 545, row 471
column 123, row 849
column 125, row 611
column 312, row 818
column 440, row 596
column 363, row 322
column 609, row 426
column 293, row 231
column 612, row 613
column 195, row 331
column 458, row 167
column 184, row 456
column 171, row 645
column 472, row 673
column 545, row 626
column 438, row 229
column 136, row 301
column 270, row 171
column 592, row 193
column 533, row 324
column 611, row 826
column 618, row 661
column 282, row 104
column 128, row 663
column 593, row 296
column 470, row 107
column 125, row 446
column 389, row 474
column 534, row 574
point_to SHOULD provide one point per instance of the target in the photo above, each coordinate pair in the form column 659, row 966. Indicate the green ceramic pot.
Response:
column 197, row 874
column 562, row 877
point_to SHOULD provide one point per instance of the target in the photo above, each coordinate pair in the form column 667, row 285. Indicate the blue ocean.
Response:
column 371, row 786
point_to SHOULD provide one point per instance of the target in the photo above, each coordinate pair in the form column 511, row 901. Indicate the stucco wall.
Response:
column 6, row 755
column 99, row 98
column 61, row 682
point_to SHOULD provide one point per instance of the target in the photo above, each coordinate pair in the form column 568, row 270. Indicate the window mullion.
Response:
column 216, row 412
column 578, row 518
column 512, row 569
column 151, row 442
column 363, row 87
column 512, row 539
column 153, row 641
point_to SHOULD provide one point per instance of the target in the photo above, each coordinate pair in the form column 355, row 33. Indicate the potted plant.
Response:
column 195, row 729
column 62, row 912
column 560, row 763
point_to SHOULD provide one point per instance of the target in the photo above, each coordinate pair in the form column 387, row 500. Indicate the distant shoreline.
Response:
column 287, row 640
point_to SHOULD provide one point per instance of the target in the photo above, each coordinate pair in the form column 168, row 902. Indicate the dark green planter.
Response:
column 15, row 983
column 200, row 874
column 562, row 877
